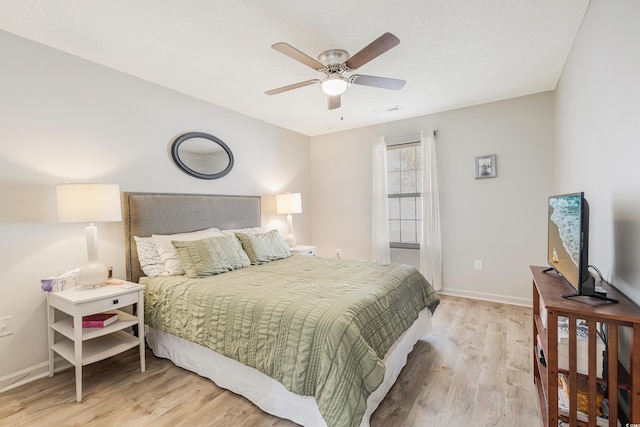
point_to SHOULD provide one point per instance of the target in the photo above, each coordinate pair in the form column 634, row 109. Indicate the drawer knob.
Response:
column 115, row 301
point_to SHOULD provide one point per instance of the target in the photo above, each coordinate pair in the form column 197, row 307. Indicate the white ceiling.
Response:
column 452, row 53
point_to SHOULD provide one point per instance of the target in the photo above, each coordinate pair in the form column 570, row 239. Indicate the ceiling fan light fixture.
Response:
column 334, row 62
column 333, row 86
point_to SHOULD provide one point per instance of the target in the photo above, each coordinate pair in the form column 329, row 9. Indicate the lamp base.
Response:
column 290, row 239
column 92, row 275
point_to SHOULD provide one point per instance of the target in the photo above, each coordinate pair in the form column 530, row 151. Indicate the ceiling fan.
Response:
column 335, row 62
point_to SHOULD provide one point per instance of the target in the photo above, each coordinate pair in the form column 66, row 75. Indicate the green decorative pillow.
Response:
column 204, row 257
column 264, row 247
column 232, row 248
column 167, row 252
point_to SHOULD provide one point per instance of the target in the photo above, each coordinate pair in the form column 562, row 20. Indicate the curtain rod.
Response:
column 404, row 139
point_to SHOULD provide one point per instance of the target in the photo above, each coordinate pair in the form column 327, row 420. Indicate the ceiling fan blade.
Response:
column 334, row 102
column 381, row 82
column 373, row 50
column 291, row 87
column 294, row 53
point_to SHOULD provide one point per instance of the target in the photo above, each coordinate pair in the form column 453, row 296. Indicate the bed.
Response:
column 313, row 340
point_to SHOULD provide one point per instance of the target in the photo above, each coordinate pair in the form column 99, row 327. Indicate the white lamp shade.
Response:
column 334, row 86
column 290, row 203
column 88, row 203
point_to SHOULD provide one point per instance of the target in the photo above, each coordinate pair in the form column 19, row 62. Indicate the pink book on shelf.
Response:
column 99, row 320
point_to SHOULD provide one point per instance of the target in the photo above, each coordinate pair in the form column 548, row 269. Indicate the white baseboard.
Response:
column 525, row 302
column 41, row 370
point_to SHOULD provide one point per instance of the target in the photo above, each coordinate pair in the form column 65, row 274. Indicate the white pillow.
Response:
column 148, row 256
column 248, row 230
column 168, row 253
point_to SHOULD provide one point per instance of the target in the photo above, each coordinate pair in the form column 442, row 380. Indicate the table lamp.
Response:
column 290, row 203
column 89, row 203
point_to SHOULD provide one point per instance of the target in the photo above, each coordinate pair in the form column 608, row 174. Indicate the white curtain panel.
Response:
column 380, row 205
column 431, row 247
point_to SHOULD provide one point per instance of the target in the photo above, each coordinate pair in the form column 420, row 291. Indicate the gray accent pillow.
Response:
column 264, row 247
column 201, row 258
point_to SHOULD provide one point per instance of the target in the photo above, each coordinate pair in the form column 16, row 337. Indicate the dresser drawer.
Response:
column 110, row 303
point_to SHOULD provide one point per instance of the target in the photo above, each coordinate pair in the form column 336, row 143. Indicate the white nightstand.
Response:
column 82, row 346
column 304, row 250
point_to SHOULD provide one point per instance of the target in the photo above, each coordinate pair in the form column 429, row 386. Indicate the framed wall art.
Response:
column 486, row 166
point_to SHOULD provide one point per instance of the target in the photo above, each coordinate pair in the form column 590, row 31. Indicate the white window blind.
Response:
column 404, row 184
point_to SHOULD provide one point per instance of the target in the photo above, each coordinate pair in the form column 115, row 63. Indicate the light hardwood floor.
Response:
column 473, row 370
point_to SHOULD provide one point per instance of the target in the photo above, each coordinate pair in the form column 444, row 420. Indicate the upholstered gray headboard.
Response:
column 165, row 213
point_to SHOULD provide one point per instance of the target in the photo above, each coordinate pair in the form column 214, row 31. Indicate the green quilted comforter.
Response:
column 319, row 326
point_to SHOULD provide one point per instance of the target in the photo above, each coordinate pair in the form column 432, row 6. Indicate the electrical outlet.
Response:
column 478, row 264
column 6, row 326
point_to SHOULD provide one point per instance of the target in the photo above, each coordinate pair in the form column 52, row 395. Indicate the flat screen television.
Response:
column 568, row 238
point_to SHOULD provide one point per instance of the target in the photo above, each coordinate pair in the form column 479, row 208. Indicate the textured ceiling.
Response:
column 452, row 53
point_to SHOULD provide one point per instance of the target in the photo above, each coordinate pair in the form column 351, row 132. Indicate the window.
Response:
column 404, row 186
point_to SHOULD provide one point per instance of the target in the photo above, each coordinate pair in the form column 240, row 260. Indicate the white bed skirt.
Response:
column 267, row 393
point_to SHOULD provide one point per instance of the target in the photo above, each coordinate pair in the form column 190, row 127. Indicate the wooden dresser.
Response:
column 548, row 302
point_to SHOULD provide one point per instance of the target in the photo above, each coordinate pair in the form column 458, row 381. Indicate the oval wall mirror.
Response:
column 202, row 155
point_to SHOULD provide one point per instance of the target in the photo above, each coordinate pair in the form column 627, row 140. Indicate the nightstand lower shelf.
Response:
column 98, row 348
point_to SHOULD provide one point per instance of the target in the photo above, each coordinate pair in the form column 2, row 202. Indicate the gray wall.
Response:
column 501, row 221
column 598, row 142
column 64, row 119
column 597, row 136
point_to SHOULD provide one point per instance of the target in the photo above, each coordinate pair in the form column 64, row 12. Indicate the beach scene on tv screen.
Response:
column 564, row 236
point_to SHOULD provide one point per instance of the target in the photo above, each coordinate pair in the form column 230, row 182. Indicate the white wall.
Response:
column 64, row 119
column 598, row 142
column 598, row 138
column 500, row 221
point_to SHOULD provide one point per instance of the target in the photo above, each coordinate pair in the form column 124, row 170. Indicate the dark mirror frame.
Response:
column 188, row 170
